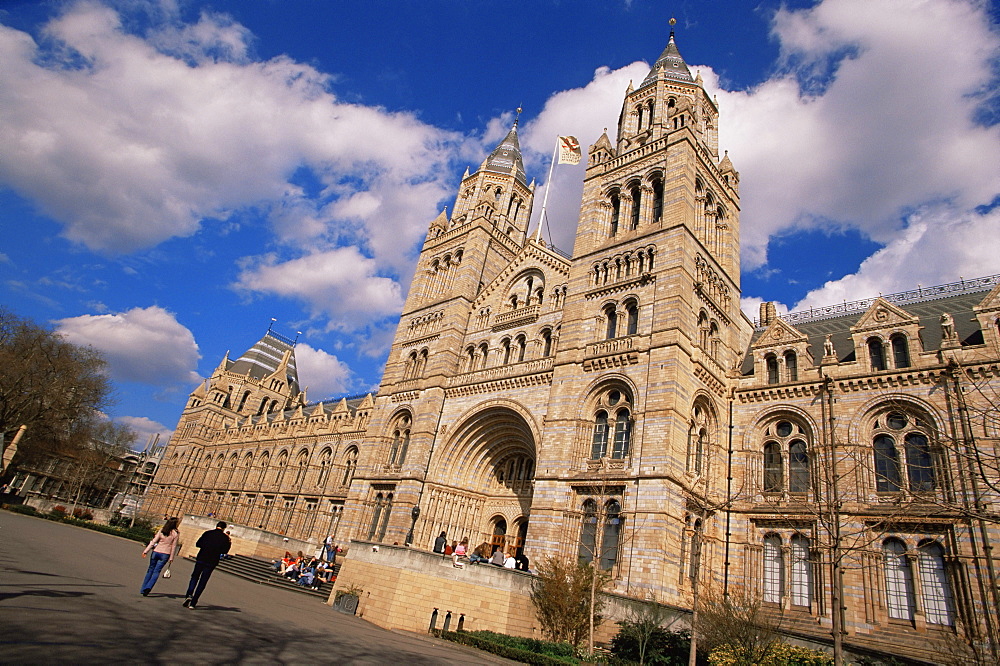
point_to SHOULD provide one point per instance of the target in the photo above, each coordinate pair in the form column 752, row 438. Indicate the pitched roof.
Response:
column 670, row 65
column 264, row 358
column 929, row 311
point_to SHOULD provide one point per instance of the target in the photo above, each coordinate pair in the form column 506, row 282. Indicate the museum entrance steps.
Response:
column 261, row 571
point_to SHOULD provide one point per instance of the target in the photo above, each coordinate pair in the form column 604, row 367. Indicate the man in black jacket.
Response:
column 212, row 545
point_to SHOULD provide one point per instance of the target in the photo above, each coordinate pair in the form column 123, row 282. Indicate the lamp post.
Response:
column 414, row 514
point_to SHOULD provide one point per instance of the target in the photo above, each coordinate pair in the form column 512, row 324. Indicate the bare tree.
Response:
column 566, row 596
column 96, row 464
column 52, row 386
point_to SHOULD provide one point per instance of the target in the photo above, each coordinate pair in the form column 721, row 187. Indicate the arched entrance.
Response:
column 481, row 486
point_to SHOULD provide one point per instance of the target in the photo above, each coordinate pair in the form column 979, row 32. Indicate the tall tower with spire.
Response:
column 651, row 327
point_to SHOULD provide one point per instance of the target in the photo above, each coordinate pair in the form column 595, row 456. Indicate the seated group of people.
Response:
column 308, row 572
column 459, row 552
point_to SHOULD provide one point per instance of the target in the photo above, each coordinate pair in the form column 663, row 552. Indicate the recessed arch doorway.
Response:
column 481, row 485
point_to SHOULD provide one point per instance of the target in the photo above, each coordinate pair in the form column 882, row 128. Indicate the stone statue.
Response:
column 947, row 326
column 828, row 349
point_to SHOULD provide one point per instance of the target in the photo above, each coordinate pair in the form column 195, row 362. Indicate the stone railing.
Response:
column 613, row 346
column 514, row 317
column 502, row 372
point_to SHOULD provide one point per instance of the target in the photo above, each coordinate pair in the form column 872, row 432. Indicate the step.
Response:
column 260, row 571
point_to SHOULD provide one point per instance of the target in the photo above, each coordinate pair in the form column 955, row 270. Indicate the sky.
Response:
column 174, row 174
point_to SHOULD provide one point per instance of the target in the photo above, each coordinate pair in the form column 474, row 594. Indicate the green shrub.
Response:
column 22, row 508
column 530, row 644
column 780, row 654
column 667, row 648
column 485, row 643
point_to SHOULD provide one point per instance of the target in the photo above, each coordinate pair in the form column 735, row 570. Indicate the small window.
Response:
column 876, row 353
column 632, row 314
column 791, row 366
column 611, row 316
column 900, row 351
column 771, row 361
column 599, row 447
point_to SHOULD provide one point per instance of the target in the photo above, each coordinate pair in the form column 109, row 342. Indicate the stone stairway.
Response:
column 260, row 571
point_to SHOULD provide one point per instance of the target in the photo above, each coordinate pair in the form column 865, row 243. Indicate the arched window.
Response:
column 694, row 566
column 771, row 361
column 898, row 580
column 400, row 440
column 613, row 411
column 386, row 512
column 588, row 533
column 324, row 467
column 611, row 539
column 698, row 439
column 616, row 210
column 801, row 571
column 623, row 434
column 900, row 351
column 919, row 464
column 611, row 316
column 301, row 464
column 786, row 457
column 350, row 464
column 657, row 198
column 938, row 601
column 378, row 507
column 773, row 469
column 897, row 428
column 484, row 353
column 546, row 343
column 876, row 353
column 887, row 472
column 599, row 448
column 243, row 401
column 520, row 344
column 636, row 193
column 505, row 346
column 798, row 467
column 632, row 318
column 774, row 570
column 265, row 459
column 791, row 366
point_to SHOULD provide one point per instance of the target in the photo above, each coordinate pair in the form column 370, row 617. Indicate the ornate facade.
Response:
column 617, row 406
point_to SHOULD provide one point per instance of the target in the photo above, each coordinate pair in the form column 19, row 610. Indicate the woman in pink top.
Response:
column 460, row 551
column 163, row 545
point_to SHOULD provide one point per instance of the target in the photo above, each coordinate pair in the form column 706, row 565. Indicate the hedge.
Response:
column 137, row 533
column 781, row 654
column 504, row 649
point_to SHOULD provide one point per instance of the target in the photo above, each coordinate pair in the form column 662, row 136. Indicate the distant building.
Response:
column 615, row 405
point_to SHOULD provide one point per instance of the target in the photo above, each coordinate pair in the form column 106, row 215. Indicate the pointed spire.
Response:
column 726, row 165
column 670, row 64
column 506, row 157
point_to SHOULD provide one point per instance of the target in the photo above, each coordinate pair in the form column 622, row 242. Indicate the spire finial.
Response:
column 672, row 23
column 517, row 118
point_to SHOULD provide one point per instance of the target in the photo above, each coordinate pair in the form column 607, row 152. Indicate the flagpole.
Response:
column 548, row 186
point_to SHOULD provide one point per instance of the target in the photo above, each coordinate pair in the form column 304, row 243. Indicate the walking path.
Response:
column 71, row 595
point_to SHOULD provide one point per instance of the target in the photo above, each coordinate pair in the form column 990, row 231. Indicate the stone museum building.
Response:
column 616, row 406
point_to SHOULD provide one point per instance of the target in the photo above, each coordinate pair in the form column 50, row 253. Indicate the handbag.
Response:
column 166, row 571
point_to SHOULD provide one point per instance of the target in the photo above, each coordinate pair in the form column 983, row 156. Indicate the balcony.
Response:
column 519, row 317
column 502, row 372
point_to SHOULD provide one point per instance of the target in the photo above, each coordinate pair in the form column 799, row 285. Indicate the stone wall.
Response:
column 246, row 540
column 401, row 587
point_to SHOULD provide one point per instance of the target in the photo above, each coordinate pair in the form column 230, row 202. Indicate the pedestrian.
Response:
column 212, row 545
column 163, row 546
column 329, row 551
column 440, row 543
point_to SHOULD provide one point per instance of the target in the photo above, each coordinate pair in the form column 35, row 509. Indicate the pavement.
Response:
column 69, row 595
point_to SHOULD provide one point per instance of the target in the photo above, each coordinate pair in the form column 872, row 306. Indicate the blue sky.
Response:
column 174, row 174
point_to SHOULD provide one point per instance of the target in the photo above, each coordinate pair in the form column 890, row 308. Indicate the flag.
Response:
column 569, row 150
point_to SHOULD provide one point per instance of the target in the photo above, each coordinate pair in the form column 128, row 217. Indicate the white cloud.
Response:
column 939, row 245
column 323, row 374
column 146, row 345
column 341, row 283
column 584, row 113
column 889, row 129
column 146, row 430
column 148, row 137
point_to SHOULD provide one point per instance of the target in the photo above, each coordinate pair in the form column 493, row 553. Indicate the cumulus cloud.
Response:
column 146, row 345
column 872, row 116
column 146, row 430
column 939, row 245
column 341, row 282
column 130, row 139
column 324, row 374
column 584, row 113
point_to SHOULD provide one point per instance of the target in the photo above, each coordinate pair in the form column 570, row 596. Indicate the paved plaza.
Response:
column 71, row 595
